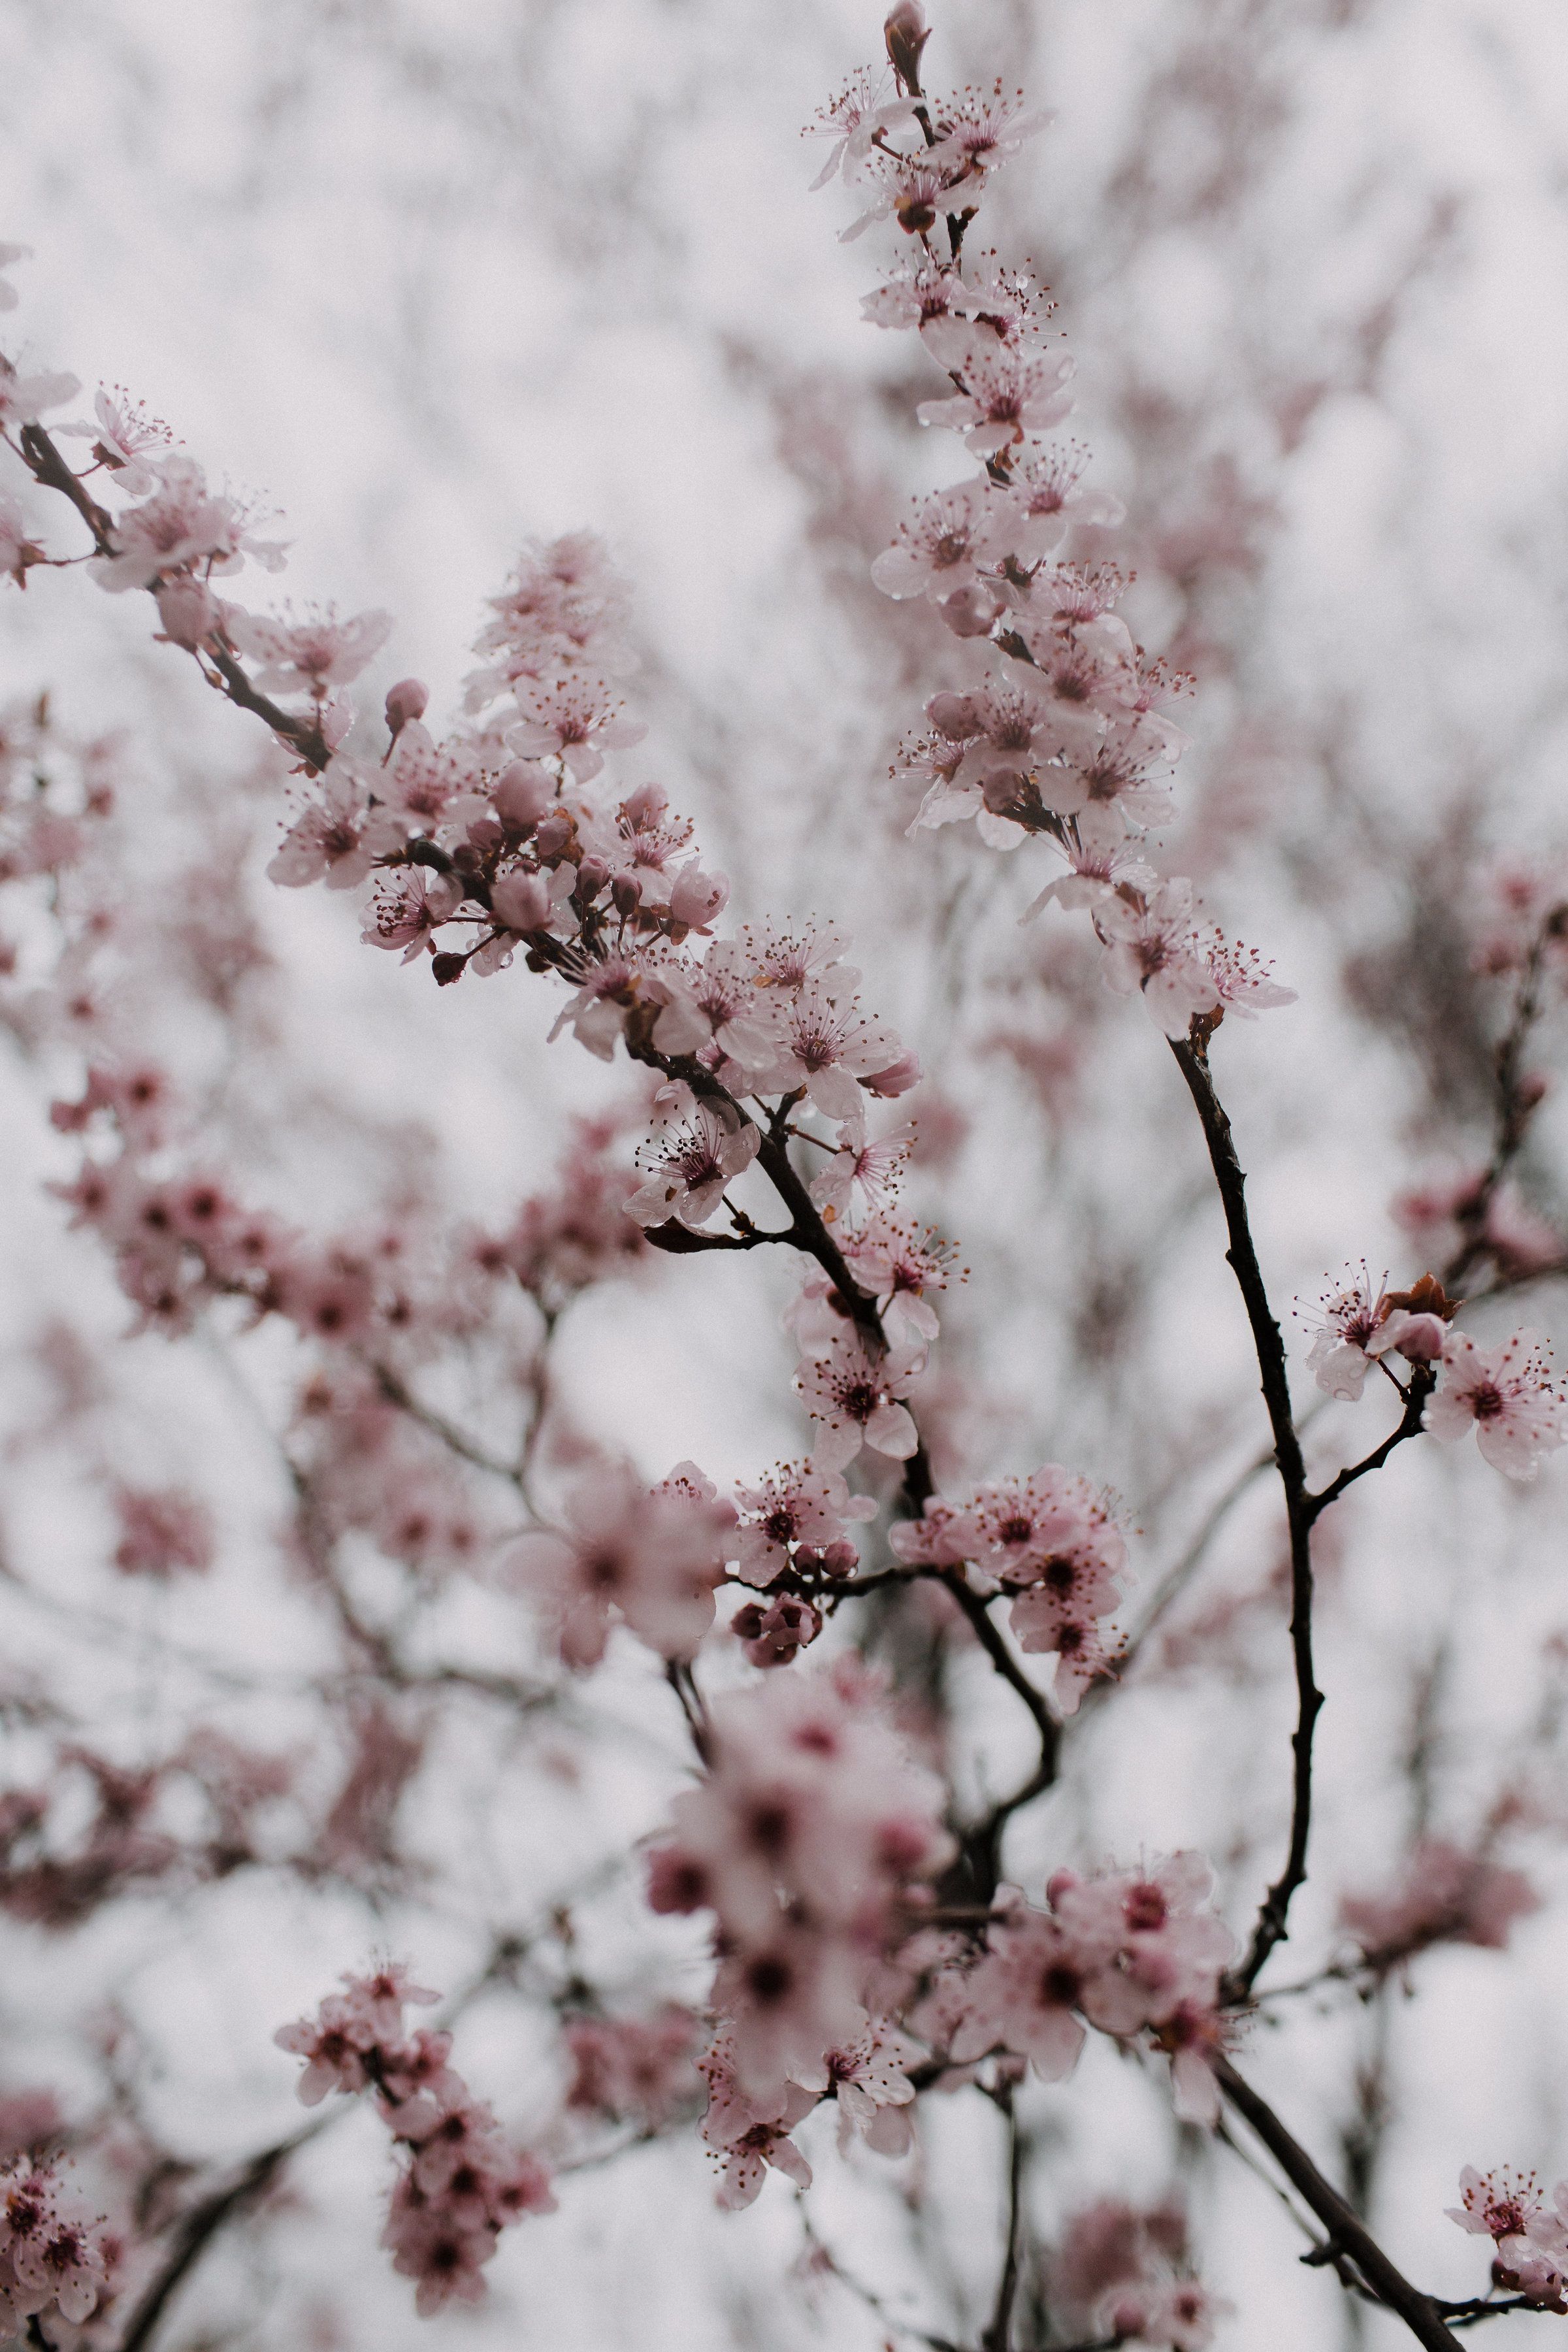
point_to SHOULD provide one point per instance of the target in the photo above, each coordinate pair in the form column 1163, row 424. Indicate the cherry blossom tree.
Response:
column 770, row 1835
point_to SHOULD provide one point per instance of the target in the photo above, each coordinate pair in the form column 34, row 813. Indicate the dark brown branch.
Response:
column 1272, row 1924
column 202, row 2224
column 1421, row 1385
column 1348, row 2234
column 1515, row 1106
column 998, row 2334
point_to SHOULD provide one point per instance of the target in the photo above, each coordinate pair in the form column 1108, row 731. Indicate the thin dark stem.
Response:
column 1348, row 2234
column 1514, row 1107
column 202, row 2224
column 1273, row 1918
column 998, row 2334
column 455, row 1439
column 1422, row 1382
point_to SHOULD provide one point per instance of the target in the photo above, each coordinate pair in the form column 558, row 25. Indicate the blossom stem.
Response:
column 1513, row 1114
column 1272, row 1924
column 1347, row 2232
column 43, row 460
column 998, row 2334
column 1421, row 1385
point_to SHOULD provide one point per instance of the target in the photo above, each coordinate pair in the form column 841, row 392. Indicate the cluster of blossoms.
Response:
column 1444, row 1894
column 1506, row 1394
column 1524, row 917
column 53, row 2264
column 1053, row 1543
column 1128, row 1952
column 804, row 1839
column 1126, row 2273
column 462, row 2181
column 1064, row 733
column 633, row 2069
column 1530, row 2240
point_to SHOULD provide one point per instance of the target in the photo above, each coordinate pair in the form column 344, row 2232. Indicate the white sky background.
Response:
column 429, row 279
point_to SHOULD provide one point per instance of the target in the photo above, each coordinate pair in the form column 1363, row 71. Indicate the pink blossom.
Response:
column 1007, row 390
column 1243, row 978
column 1045, row 501
column 122, row 437
column 825, row 1046
column 18, row 551
column 910, row 295
column 1179, row 2315
column 949, row 542
column 379, row 2000
column 797, row 1504
column 775, row 1633
column 984, row 133
column 898, row 1264
column 873, row 2088
column 181, row 524
column 331, row 838
column 1442, row 1894
column 24, row 398
column 564, row 606
column 1504, row 2206
column 1154, row 950
column 162, row 1530
column 633, row 2069
column 861, row 1173
column 576, row 719
column 310, row 655
column 407, row 700
column 856, row 1399
column 1027, row 1992
column 10, row 254
column 747, row 2134
column 446, row 2256
column 1507, row 1393
column 1166, row 1947
column 336, row 2043
column 652, row 1559
column 408, row 914
column 853, row 120
column 690, row 1168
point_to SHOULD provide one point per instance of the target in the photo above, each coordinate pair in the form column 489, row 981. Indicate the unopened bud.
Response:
column 591, row 876
column 553, row 835
column 189, row 612
column 408, row 700
column 446, row 969
column 696, row 898
column 523, row 792
column 520, row 901
column 627, row 892
column 906, row 33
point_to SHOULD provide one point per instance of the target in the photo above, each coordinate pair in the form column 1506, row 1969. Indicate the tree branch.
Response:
column 1272, row 1924
column 1347, row 2233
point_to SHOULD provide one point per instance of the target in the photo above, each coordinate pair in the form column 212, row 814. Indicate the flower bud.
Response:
column 627, row 892
column 189, row 612
column 523, row 792
column 404, row 701
column 553, row 833
column 897, row 1078
column 906, row 33
column 697, row 897
column 520, row 901
column 591, row 876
